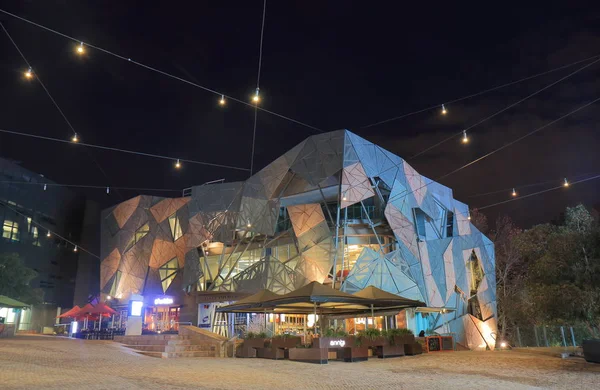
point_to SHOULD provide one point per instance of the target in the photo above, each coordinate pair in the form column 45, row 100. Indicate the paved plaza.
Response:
column 31, row 362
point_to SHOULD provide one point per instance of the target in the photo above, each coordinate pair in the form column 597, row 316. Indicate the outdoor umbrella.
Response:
column 71, row 312
column 11, row 303
column 84, row 313
column 102, row 309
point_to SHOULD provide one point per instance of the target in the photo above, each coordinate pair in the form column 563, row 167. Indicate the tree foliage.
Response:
column 15, row 278
column 549, row 274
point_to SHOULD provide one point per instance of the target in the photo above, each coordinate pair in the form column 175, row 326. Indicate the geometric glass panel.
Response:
column 175, row 227
column 167, row 273
column 139, row 234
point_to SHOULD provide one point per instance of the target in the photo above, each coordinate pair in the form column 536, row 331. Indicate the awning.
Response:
column 326, row 300
column 11, row 303
column 381, row 298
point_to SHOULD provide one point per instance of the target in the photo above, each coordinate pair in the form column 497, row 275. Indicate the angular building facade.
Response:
column 336, row 209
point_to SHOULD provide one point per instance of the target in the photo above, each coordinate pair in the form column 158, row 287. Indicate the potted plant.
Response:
column 401, row 336
column 285, row 341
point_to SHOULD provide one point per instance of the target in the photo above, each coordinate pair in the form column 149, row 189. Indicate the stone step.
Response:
column 148, row 348
column 187, row 348
column 170, row 355
column 180, row 342
column 151, row 354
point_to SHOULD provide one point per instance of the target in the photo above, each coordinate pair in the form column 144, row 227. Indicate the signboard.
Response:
column 163, row 301
column 205, row 314
column 135, row 308
column 337, row 343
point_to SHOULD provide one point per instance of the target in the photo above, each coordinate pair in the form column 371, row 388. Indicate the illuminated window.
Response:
column 167, row 273
column 36, row 236
column 10, row 230
column 175, row 227
column 139, row 234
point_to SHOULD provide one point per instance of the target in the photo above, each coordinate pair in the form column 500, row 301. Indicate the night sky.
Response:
column 330, row 64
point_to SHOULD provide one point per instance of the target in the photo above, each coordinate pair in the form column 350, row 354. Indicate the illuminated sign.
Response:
column 163, row 301
column 337, row 343
column 136, row 308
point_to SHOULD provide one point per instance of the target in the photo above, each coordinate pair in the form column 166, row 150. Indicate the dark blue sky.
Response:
column 334, row 64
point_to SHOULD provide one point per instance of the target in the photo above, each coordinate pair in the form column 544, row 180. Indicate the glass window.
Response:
column 10, row 230
column 167, row 273
column 36, row 236
column 175, row 227
column 139, row 234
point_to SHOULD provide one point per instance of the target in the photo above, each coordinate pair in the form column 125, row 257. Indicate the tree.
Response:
column 15, row 278
column 509, row 273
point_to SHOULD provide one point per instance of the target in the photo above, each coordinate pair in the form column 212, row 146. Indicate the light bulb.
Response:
column 465, row 138
column 178, row 164
column 344, row 197
column 444, row 111
column 256, row 97
column 80, row 48
column 566, row 183
column 75, row 138
column 469, row 217
column 45, row 187
column 222, row 101
column 75, row 249
column 48, row 234
column 29, row 73
column 108, row 297
column 249, row 225
column 514, row 192
column 107, row 190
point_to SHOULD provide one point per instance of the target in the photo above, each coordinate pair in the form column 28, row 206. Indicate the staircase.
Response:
column 190, row 342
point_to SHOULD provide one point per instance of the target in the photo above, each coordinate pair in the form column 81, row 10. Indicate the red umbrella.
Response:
column 102, row 309
column 70, row 313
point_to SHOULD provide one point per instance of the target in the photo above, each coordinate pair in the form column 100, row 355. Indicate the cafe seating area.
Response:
column 322, row 349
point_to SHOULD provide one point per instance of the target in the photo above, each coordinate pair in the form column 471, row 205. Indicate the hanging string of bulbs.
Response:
column 465, row 138
column 49, row 232
column 82, row 47
column 45, row 186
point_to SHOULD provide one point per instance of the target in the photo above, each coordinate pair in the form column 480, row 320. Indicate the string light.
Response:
column 45, row 187
column 107, row 190
column 256, row 97
column 514, row 192
column 29, row 73
column 249, row 225
column 344, row 197
column 48, row 234
column 566, row 183
column 75, row 249
column 222, row 101
column 465, row 138
column 444, row 111
column 178, row 164
column 80, row 49
column 75, row 138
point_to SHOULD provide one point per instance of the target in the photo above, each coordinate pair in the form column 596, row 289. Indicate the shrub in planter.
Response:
column 400, row 336
column 370, row 337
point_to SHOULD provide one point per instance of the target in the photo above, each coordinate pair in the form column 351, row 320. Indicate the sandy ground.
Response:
column 31, row 362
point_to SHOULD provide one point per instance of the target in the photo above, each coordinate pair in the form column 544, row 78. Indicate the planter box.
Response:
column 255, row 343
column 309, row 355
column 404, row 339
column 376, row 342
column 388, row 351
column 248, row 348
column 270, row 353
column 591, row 350
column 413, row 349
column 326, row 342
column 285, row 342
column 353, row 354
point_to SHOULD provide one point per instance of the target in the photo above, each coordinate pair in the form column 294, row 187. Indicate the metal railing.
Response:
column 552, row 336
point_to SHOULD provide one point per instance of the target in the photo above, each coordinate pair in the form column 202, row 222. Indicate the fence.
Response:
column 552, row 336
